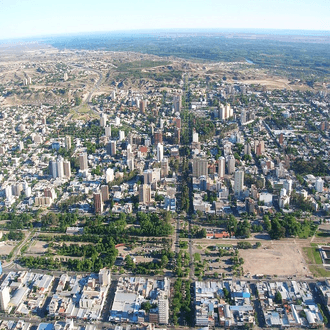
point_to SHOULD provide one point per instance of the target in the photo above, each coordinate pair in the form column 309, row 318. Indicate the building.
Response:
column 53, row 168
column 158, row 137
column 195, row 138
column 67, row 168
column 4, row 298
column 98, row 202
column 319, row 185
column 164, row 168
column 200, row 167
column 107, row 131
column 231, row 164
column 145, row 194
column 160, row 152
column 163, row 307
column 67, row 142
column 109, row 175
column 177, row 103
column 111, row 148
column 239, row 182
column 221, row 167
column 83, row 161
column 105, row 192
column 121, row 135
column 103, row 120
column 104, row 277
column 59, row 167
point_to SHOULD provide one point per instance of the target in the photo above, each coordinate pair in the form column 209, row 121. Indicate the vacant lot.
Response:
column 275, row 259
column 37, row 248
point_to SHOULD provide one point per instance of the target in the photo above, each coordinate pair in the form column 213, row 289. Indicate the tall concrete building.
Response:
column 195, row 138
column 59, row 167
column 83, row 164
column 121, row 135
column 107, row 131
column 98, row 202
column 158, row 137
column 103, row 120
column 4, row 298
column 163, row 311
column 239, row 182
column 109, row 175
column 164, row 168
column 105, row 192
column 231, row 164
column 145, row 194
column 67, row 142
column 111, row 148
column 221, row 167
column 104, row 277
column 160, row 152
column 200, row 167
column 67, row 168
column 177, row 102
column 319, row 185
column 53, row 168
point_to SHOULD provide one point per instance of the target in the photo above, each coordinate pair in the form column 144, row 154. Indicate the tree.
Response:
column 278, row 298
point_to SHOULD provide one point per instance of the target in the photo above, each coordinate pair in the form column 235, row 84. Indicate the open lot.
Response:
column 37, row 248
column 275, row 259
column 7, row 247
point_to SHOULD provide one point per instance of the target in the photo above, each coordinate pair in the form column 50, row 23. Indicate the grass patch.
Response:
column 313, row 255
column 199, row 247
column 183, row 245
column 318, row 271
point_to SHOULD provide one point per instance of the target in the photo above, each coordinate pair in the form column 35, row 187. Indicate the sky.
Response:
column 28, row 18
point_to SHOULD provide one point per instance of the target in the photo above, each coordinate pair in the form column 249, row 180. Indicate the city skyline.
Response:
column 21, row 19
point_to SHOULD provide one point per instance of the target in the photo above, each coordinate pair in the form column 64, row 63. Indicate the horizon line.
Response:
column 280, row 32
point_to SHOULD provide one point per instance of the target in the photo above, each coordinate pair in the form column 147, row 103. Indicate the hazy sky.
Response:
column 21, row 18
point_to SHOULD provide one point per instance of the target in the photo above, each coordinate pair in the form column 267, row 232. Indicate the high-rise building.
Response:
column 121, row 135
column 67, row 142
column 158, row 137
column 129, row 153
column 144, row 194
column 83, row 164
column 59, row 167
column 231, row 164
column 221, row 167
column 259, row 147
column 109, row 175
column 9, row 193
column 319, row 185
column 107, row 130
column 117, row 121
column 164, row 167
column 287, row 184
column 67, row 168
column 177, row 102
column 195, row 138
column 98, row 202
column 200, row 167
column 4, row 298
column 131, row 164
column 160, row 152
column 105, row 192
column 103, row 120
column 143, row 105
column 163, row 311
column 111, row 148
column 147, row 176
column 239, row 182
column 104, row 277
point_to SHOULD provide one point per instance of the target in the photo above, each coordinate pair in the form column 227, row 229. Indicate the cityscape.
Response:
column 158, row 178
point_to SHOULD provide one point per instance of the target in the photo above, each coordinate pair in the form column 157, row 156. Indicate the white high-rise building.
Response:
column 59, row 167
column 239, row 182
column 103, row 120
column 9, row 193
column 117, row 121
column 121, row 135
column 4, row 298
column 287, row 184
column 163, row 311
column 319, row 185
column 160, row 152
column 195, row 137
column 221, row 167
column 107, row 131
column 129, row 154
column 104, row 277
column 109, row 175
column 231, row 164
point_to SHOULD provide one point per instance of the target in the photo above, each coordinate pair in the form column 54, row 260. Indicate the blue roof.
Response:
column 45, row 326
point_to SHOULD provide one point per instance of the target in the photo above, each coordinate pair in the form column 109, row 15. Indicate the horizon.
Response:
column 221, row 31
column 37, row 18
